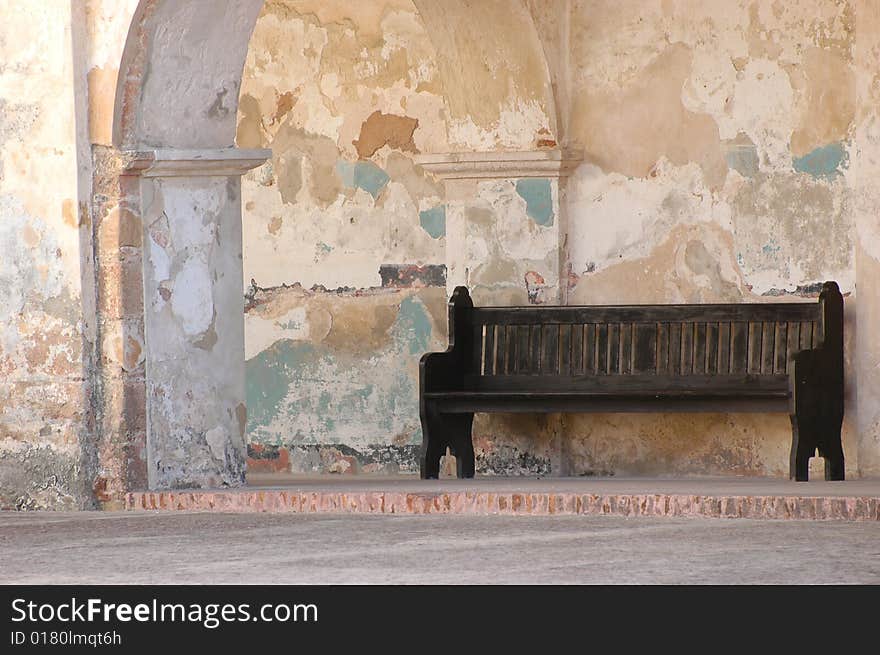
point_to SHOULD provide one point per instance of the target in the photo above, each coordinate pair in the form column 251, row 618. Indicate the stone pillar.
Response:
column 506, row 236
column 864, row 171
column 194, row 314
column 505, row 224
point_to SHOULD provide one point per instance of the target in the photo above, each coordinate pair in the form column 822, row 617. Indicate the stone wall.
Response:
column 718, row 137
column 43, row 210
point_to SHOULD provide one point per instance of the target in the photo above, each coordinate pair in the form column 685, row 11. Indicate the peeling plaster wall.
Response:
column 42, row 390
column 495, row 73
column 862, row 177
column 344, row 236
column 717, row 141
column 731, row 154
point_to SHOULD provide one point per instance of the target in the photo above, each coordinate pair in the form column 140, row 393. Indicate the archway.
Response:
column 175, row 125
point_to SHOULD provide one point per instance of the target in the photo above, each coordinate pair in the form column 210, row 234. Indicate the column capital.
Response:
column 169, row 162
column 556, row 163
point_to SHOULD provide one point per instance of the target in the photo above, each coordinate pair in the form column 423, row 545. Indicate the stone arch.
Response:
column 180, row 73
column 182, row 65
column 175, row 124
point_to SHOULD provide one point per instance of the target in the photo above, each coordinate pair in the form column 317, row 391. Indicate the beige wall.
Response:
column 718, row 137
column 42, row 390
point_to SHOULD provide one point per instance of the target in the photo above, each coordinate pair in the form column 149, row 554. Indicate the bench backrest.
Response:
column 750, row 340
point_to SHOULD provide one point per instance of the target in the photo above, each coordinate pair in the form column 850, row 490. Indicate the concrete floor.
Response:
column 202, row 548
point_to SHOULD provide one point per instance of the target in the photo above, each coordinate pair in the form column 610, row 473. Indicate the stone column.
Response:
column 194, row 314
column 862, row 177
column 505, row 225
column 506, row 238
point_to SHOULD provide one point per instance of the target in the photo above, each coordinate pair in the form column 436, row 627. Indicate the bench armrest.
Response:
column 816, row 374
column 442, row 371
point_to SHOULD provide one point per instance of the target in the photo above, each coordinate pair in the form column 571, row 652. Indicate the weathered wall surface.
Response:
column 730, row 154
column 717, row 139
column 344, row 237
column 862, row 178
column 42, row 409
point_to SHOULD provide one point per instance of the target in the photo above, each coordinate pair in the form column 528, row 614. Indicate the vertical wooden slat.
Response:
column 534, row 349
column 662, row 349
column 687, row 348
column 613, row 349
column 501, row 350
column 739, row 349
column 550, row 347
column 755, row 341
column 626, row 348
column 645, row 348
column 565, row 349
column 712, row 348
column 577, row 349
column 602, row 348
column 675, row 338
column 589, row 349
column 768, row 337
column 794, row 340
column 780, row 348
column 724, row 348
column 479, row 348
column 510, row 357
column 700, row 348
column 522, row 349
column 806, row 335
column 490, row 350
column 817, row 336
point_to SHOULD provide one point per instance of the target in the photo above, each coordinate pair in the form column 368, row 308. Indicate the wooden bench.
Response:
column 763, row 357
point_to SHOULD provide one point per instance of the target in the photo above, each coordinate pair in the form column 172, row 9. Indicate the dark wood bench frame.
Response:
column 760, row 357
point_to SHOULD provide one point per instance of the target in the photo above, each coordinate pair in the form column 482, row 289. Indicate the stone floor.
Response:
column 709, row 497
column 221, row 548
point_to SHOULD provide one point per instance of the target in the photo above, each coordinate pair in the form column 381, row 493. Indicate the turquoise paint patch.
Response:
column 539, row 199
column 433, row 221
column 824, row 162
column 414, row 325
column 743, row 159
column 268, row 377
column 370, row 177
column 345, row 170
column 362, row 175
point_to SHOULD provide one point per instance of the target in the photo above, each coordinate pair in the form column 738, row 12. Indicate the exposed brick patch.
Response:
column 267, row 459
column 410, row 275
column 803, row 290
column 393, row 276
column 510, row 503
column 333, row 458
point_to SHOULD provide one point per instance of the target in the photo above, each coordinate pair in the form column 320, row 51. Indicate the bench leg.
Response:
column 809, row 433
column 831, row 448
column 433, row 445
column 462, row 444
column 803, row 447
column 440, row 431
